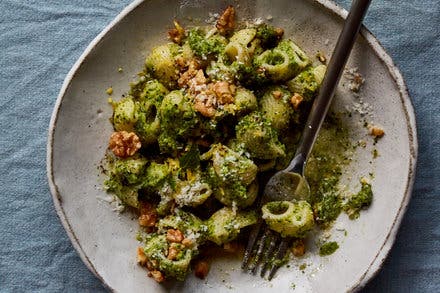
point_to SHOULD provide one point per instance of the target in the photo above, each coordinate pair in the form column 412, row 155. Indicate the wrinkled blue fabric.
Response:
column 40, row 41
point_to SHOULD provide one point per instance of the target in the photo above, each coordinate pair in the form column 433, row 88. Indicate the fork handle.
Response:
column 331, row 79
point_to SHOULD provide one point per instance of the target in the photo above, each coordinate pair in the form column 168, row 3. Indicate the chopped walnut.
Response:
column 172, row 253
column 224, row 92
column 296, row 100
column 355, row 78
column 149, row 266
column 226, row 21
column 200, row 78
column 299, row 248
column 148, row 214
column 191, row 71
column 205, row 105
column 177, row 33
column 376, row 131
column 277, row 94
column 187, row 242
column 141, row 257
column 157, row 276
column 201, row 269
column 174, row 235
column 124, row 144
column 279, row 32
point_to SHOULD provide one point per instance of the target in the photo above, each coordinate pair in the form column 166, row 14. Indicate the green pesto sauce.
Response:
column 359, row 201
column 330, row 155
column 328, row 248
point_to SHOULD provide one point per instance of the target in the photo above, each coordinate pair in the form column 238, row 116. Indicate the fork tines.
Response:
column 265, row 249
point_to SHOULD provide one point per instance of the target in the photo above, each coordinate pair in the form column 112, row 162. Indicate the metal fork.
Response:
column 266, row 247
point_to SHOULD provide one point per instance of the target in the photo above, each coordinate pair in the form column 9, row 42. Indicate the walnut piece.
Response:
column 296, row 100
column 124, row 144
column 205, row 105
column 299, row 248
column 187, row 242
column 147, row 214
column 172, row 253
column 201, row 269
column 224, row 92
column 157, row 276
column 141, row 257
column 277, row 94
column 177, row 33
column 226, row 21
column 376, row 131
column 174, row 235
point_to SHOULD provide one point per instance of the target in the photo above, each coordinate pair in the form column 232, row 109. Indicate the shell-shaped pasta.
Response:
column 230, row 166
column 124, row 115
column 308, row 82
column 244, row 36
column 177, row 119
column 155, row 176
column 259, row 137
column 147, row 125
column 289, row 219
column 225, row 224
column 192, row 193
column 153, row 92
column 276, row 65
column 275, row 106
column 237, row 194
column 161, row 64
column 237, row 52
column 156, row 250
column 245, row 101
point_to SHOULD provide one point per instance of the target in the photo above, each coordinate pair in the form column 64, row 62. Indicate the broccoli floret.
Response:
column 205, row 47
column 269, row 36
column 259, row 137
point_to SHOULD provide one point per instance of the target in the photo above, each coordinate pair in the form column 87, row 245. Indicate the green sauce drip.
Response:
column 328, row 248
column 359, row 201
column 324, row 169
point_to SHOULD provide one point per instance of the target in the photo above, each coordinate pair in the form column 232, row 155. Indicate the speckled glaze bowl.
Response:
column 79, row 133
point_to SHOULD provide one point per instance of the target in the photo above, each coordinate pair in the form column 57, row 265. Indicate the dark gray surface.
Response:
column 41, row 40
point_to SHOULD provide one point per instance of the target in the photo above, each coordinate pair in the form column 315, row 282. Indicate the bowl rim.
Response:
column 328, row 5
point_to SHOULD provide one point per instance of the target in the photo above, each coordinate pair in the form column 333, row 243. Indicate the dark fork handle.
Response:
column 333, row 75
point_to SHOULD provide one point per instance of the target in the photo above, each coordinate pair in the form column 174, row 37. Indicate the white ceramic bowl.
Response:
column 79, row 132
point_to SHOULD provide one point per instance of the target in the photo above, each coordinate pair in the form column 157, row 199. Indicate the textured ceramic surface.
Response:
column 80, row 129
